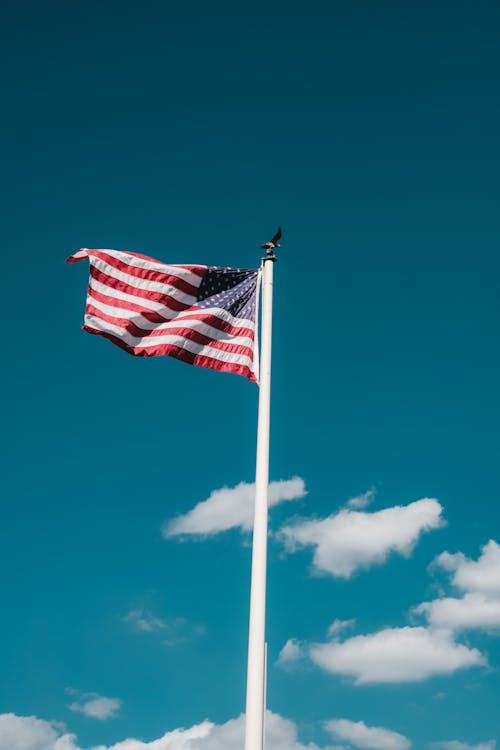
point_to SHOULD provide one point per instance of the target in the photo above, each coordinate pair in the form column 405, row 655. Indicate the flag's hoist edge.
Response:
column 202, row 315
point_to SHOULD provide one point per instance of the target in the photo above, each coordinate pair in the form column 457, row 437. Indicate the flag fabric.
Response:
column 202, row 315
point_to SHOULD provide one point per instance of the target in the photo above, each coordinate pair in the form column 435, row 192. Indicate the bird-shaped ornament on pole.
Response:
column 270, row 246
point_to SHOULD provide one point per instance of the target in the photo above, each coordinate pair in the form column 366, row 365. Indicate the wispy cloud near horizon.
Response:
column 32, row 733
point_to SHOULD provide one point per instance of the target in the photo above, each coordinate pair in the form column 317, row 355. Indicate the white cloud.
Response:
column 229, row 508
column 479, row 582
column 291, row 653
column 394, row 655
column 349, row 540
column 144, row 621
column 362, row 501
column 30, row 733
column 473, row 611
column 93, row 705
column 181, row 630
column 482, row 575
column 456, row 745
column 371, row 738
column 338, row 625
column 176, row 630
column 295, row 651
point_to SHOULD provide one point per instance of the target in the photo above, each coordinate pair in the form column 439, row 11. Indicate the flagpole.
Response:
column 256, row 679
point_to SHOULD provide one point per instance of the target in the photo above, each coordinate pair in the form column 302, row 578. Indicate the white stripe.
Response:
column 143, row 284
column 147, row 304
column 182, row 273
column 196, row 325
column 119, row 312
column 179, row 341
column 80, row 254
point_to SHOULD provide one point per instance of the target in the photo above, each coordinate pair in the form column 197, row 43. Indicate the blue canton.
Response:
column 232, row 289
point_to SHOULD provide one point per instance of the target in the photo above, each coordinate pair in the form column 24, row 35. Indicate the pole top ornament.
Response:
column 270, row 246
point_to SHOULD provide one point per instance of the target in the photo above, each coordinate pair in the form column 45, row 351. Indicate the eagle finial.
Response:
column 270, row 246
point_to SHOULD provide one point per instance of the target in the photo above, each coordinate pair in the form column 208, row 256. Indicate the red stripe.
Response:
column 122, row 286
column 176, row 330
column 148, row 274
column 199, row 360
column 154, row 317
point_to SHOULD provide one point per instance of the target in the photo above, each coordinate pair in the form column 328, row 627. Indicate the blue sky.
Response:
column 188, row 132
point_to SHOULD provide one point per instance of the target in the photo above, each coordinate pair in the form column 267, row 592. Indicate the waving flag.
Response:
column 203, row 315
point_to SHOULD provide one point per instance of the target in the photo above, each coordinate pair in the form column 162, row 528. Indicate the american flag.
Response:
column 203, row 315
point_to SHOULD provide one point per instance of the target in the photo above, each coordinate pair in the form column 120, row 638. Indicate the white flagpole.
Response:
column 256, row 688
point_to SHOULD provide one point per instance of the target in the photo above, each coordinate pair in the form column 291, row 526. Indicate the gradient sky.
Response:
column 370, row 132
